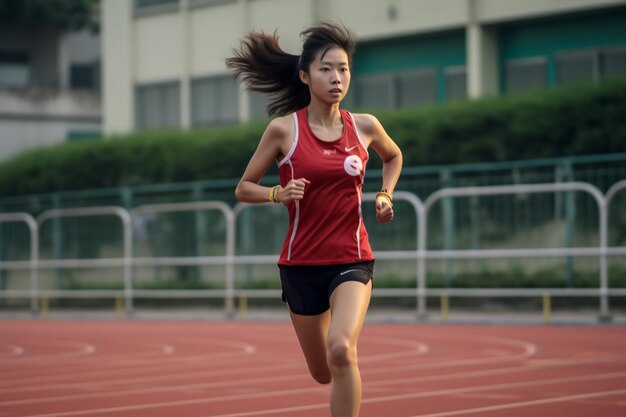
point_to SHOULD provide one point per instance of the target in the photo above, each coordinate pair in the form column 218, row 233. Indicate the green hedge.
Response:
column 565, row 121
column 580, row 120
column 142, row 158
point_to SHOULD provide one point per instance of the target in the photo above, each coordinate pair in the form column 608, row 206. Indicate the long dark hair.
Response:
column 264, row 67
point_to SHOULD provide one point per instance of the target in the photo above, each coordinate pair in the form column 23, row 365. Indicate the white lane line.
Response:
column 529, row 349
column 419, row 348
column 445, row 392
column 172, row 375
column 174, row 362
column 241, row 348
column 13, row 350
column 490, row 372
column 84, row 349
column 166, row 349
column 527, row 403
column 325, row 405
column 234, row 397
column 416, row 349
column 418, row 395
column 240, row 345
column 109, row 356
column 239, row 397
column 295, row 377
column 500, row 386
column 259, row 382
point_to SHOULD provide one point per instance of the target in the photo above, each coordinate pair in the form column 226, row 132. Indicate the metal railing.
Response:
column 228, row 259
column 31, row 264
column 421, row 254
column 527, row 189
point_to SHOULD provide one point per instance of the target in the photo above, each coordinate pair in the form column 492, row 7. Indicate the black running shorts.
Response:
column 307, row 289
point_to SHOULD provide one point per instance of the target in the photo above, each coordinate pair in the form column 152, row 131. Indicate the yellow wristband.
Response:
column 274, row 194
column 386, row 195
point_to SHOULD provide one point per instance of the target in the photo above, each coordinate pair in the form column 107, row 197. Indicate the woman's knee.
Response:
column 341, row 353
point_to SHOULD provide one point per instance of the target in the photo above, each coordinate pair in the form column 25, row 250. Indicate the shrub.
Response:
column 564, row 121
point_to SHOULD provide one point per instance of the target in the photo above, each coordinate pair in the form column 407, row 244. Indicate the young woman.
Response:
column 326, row 264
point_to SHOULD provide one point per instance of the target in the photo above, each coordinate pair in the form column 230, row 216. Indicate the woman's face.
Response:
column 328, row 77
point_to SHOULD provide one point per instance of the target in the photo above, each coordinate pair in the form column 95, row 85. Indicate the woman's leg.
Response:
column 348, row 304
column 312, row 332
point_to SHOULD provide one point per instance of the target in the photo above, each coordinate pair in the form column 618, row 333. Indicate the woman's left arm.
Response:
column 391, row 155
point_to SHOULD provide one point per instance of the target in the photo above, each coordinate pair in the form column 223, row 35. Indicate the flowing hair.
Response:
column 264, row 67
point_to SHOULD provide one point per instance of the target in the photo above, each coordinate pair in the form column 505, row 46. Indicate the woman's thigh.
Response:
column 349, row 303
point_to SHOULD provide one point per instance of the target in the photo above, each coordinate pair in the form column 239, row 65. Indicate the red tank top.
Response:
column 326, row 226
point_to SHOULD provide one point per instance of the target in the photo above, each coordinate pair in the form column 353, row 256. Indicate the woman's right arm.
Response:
column 276, row 140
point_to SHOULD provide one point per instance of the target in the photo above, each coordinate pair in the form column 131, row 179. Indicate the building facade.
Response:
column 163, row 60
column 49, row 87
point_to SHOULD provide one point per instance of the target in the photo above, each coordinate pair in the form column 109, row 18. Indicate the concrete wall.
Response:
column 37, row 117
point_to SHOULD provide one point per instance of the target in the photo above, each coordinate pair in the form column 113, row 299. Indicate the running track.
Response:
column 233, row 369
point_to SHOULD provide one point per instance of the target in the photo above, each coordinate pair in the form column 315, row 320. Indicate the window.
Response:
column 214, row 100
column 456, row 83
column 374, row 92
column 140, row 4
column 158, row 106
column 577, row 67
column 591, row 65
column 396, row 90
column 85, row 76
column 152, row 7
column 258, row 102
column 203, row 3
column 80, row 135
column 613, row 62
column 525, row 74
column 415, row 88
column 14, row 69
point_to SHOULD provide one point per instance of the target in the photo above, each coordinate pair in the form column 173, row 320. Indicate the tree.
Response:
column 66, row 15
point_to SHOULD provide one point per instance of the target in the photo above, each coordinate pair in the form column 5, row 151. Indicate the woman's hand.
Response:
column 384, row 211
column 294, row 190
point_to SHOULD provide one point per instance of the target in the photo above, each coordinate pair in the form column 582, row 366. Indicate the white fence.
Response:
column 421, row 255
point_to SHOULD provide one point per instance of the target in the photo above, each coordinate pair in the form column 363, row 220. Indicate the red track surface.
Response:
column 202, row 369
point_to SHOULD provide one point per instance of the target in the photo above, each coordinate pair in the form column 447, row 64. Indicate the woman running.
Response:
column 326, row 264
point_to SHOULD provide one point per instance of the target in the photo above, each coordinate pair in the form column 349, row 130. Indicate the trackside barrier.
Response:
column 31, row 264
column 601, row 251
column 421, row 255
column 125, row 261
column 228, row 259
